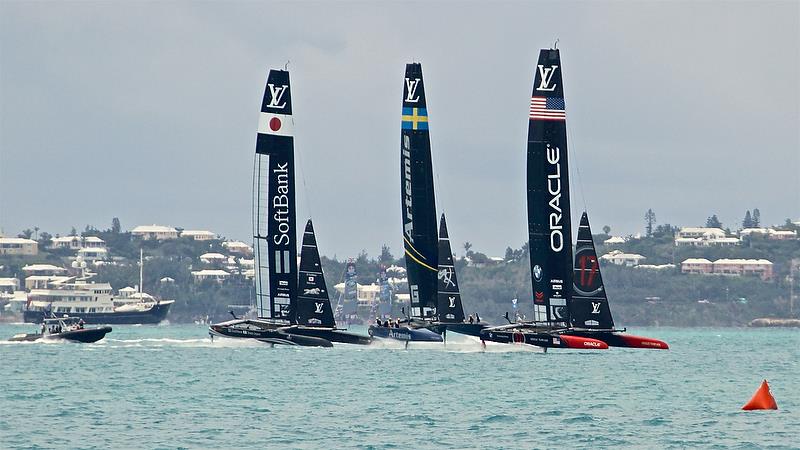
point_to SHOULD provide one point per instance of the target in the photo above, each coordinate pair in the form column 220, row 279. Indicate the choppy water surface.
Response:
column 171, row 387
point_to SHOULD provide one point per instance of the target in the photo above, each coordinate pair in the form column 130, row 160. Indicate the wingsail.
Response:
column 449, row 307
column 588, row 305
column 274, row 234
column 313, row 303
column 549, row 226
column 417, row 197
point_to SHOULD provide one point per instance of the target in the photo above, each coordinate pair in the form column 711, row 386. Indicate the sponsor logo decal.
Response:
column 591, row 344
column 312, row 291
column 446, row 275
column 408, row 227
column 411, row 90
column 546, row 76
column 280, row 203
column 588, row 268
column 276, row 95
column 596, row 307
column 537, row 272
column 318, row 308
column 554, row 189
column 452, row 301
column 539, row 296
column 399, row 335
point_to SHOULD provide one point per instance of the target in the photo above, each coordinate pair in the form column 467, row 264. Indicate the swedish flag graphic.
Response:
column 415, row 118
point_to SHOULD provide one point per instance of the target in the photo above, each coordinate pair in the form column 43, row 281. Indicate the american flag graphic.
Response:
column 547, row 108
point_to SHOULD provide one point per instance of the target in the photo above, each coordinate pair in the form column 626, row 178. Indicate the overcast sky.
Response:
column 147, row 111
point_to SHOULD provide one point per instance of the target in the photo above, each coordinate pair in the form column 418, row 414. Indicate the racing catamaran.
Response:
column 274, row 235
column 426, row 266
column 565, row 314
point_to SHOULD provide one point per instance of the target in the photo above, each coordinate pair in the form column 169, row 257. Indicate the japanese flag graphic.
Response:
column 275, row 124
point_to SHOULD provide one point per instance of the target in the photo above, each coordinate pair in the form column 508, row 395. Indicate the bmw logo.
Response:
column 537, row 273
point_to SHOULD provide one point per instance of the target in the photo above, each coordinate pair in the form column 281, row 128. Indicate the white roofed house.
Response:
column 783, row 235
column 18, row 246
column 43, row 269
column 697, row 265
column 198, row 235
column 70, row 242
column 9, row 285
column 703, row 237
column 154, row 232
column 238, row 247
column 769, row 233
column 217, row 275
column 614, row 240
column 77, row 242
column 93, row 254
column 93, row 242
column 623, row 259
column 759, row 267
column 214, row 258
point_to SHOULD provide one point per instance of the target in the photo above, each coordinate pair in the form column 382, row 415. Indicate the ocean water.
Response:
column 169, row 386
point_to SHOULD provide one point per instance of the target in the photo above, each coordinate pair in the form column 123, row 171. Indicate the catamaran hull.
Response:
column 542, row 339
column 87, row 335
column 404, row 334
column 330, row 334
column 615, row 339
column 153, row 315
column 271, row 334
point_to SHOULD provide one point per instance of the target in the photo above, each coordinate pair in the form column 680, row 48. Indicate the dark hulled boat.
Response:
column 152, row 313
column 565, row 315
column 64, row 328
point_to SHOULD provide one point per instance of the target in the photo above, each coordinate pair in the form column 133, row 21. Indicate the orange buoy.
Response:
column 762, row 399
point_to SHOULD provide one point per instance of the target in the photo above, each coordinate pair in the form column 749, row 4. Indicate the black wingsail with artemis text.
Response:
column 449, row 308
column 417, row 197
column 313, row 304
column 588, row 304
column 549, row 226
column 274, row 236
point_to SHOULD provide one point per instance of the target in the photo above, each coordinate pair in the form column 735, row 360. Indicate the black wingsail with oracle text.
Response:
column 313, row 304
column 274, row 236
column 549, row 229
column 449, row 308
column 417, row 197
column 588, row 304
